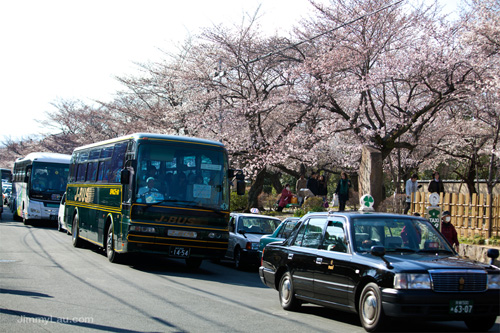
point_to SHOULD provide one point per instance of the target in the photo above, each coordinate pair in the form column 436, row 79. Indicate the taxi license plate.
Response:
column 181, row 252
column 457, row 306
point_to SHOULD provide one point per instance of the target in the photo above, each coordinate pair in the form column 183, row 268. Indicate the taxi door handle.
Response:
column 319, row 261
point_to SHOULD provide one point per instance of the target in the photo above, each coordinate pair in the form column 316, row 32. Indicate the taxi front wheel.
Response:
column 371, row 313
column 481, row 324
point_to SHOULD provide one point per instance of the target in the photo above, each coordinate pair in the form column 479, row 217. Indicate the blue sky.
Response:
column 72, row 49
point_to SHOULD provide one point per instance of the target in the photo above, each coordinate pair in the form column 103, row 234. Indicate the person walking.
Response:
column 299, row 185
column 322, row 188
column 411, row 189
column 448, row 230
column 312, row 183
column 342, row 190
column 436, row 185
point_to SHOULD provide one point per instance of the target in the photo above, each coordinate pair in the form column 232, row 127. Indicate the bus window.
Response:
column 92, row 171
column 81, row 173
column 117, row 162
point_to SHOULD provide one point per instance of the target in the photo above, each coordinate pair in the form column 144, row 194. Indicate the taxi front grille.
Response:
column 459, row 280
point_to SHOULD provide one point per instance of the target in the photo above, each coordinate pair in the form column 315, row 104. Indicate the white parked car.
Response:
column 61, row 223
column 245, row 231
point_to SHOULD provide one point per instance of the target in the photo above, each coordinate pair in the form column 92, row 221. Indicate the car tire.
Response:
column 237, row 259
column 371, row 313
column 481, row 324
column 288, row 300
column 110, row 245
column 75, row 233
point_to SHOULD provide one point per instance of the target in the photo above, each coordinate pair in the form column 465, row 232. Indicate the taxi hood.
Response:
column 419, row 262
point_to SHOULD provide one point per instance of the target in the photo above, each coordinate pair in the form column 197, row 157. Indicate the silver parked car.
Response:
column 245, row 231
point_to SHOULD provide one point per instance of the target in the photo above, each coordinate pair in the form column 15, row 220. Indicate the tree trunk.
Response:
column 255, row 190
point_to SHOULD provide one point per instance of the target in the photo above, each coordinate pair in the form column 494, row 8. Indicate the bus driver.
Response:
column 149, row 193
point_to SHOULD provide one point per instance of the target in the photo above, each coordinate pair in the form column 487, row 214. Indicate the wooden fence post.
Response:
column 460, row 212
column 488, row 216
column 474, row 213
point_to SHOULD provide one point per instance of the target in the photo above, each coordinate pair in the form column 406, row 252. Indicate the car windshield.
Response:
column 397, row 235
column 257, row 225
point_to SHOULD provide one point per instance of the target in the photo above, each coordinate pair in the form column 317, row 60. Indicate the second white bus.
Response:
column 39, row 181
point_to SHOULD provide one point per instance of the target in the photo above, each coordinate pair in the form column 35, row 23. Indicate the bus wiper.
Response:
column 163, row 201
column 215, row 210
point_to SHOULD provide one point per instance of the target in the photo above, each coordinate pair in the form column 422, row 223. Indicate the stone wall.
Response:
column 476, row 252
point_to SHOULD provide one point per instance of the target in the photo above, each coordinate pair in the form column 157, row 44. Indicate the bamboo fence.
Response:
column 476, row 215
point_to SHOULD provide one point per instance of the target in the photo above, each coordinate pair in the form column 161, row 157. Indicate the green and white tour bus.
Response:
column 151, row 193
column 38, row 183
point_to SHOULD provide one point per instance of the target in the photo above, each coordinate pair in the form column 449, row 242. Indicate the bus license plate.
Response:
column 181, row 252
column 182, row 233
column 461, row 306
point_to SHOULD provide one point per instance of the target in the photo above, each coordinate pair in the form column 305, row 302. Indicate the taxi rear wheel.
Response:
column 371, row 313
column 287, row 293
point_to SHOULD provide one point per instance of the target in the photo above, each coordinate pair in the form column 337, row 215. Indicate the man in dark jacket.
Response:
column 312, row 183
column 436, row 185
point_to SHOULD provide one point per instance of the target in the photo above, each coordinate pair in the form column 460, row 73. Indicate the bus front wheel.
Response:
column 110, row 245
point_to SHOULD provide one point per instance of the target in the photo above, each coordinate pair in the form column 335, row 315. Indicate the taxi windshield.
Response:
column 398, row 235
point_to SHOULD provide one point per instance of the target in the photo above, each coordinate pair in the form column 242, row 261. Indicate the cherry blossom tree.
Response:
column 386, row 77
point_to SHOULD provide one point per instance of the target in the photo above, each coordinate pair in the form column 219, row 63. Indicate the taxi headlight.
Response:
column 412, row 281
column 493, row 281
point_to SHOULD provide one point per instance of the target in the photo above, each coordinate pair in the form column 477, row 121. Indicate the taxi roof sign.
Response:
column 366, row 202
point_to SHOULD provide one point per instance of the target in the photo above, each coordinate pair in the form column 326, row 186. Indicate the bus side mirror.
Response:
column 240, row 183
column 125, row 176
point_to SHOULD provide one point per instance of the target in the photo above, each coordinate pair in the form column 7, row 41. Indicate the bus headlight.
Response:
column 493, row 281
column 412, row 281
column 214, row 235
column 34, row 211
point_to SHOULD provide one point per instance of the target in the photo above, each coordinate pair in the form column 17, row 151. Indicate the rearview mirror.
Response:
column 125, row 176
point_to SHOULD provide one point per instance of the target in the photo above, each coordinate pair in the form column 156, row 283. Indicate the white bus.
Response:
column 38, row 183
column 6, row 175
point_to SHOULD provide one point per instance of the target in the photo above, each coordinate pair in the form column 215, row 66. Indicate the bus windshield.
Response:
column 48, row 179
column 189, row 175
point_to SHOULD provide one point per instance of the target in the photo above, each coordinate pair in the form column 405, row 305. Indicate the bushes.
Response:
column 480, row 240
column 313, row 204
column 268, row 200
column 238, row 202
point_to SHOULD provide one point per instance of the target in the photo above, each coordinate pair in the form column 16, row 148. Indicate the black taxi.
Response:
column 381, row 265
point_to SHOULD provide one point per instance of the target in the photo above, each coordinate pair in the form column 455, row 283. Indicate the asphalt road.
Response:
column 47, row 285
